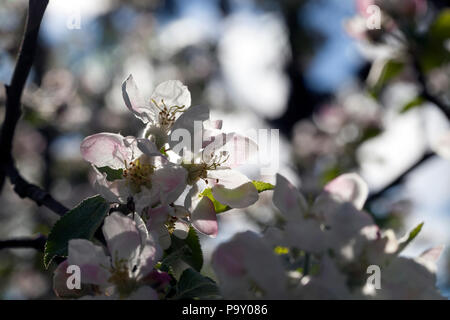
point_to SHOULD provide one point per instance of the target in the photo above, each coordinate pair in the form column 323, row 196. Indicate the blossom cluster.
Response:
column 322, row 250
column 161, row 181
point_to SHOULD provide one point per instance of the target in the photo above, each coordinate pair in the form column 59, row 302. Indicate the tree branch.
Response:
column 37, row 243
column 400, row 178
column 14, row 91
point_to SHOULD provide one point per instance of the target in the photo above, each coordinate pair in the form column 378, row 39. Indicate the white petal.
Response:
column 134, row 101
column 181, row 229
column 116, row 191
column 204, row 217
column 191, row 121
column 289, row 200
column 348, row 187
column 91, row 259
column 106, row 149
column 240, row 197
column 173, row 93
column 170, row 181
column 442, row 146
column 122, row 238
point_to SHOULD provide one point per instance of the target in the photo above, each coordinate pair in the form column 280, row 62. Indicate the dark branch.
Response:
column 37, row 243
column 400, row 178
column 27, row 190
column 13, row 112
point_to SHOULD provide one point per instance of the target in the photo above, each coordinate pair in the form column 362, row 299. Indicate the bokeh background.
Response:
column 287, row 65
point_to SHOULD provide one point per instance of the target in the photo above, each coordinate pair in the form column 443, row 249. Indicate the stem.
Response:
column 24, row 189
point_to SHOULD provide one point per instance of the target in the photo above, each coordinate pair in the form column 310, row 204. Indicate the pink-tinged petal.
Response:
column 229, row 257
column 91, row 259
column 213, row 124
column 289, row 200
column 432, row 255
column 106, row 149
column 60, row 288
column 204, row 217
column 156, row 219
column 158, row 279
column 134, row 101
column 348, row 187
column 236, row 149
column 150, row 254
column 122, row 238
column 170, row 181
column 172, row 93
column 240, row 197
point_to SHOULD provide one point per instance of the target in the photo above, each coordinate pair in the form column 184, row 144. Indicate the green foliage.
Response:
column 433, row 51
column 111, row 174
column 416, row 102
column 193, row 285
column 220, row 208
column 391, row 69
column 187, row 250
column 411, row 236
column 79, row 223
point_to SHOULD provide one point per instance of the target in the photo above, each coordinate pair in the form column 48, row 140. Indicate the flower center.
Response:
column 120, row 277
column 167, row 115
column 138, row 173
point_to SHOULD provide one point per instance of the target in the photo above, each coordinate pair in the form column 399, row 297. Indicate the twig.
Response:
column 13, row 112
column 37, row 243
column 401, row 177
column 27, row 190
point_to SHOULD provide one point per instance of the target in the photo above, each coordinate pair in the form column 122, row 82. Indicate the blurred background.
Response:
column 287, row 65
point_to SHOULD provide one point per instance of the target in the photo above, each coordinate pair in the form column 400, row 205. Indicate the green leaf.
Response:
column 433, row 51
column 193, row 285
column 219, row 207
column 79, row 223
column 111, row 174
column 390, row 70
column 187, row 250
column 411, row 236
column 412, row 104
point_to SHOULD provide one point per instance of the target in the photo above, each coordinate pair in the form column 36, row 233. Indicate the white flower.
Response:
column 147, row 176
column 120, row 269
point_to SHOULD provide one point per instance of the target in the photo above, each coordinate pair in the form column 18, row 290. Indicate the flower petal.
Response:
column 348, row 187
column 289, row 200
column 106, row 149
column 170, row 181
column 172, row 93
column 240, row 197
column 134, row 101
column 122, row 238
column 204, row 217
column 181, row 229
column 92, row 260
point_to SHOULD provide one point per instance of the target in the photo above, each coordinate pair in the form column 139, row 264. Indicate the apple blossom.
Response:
column 122, row 269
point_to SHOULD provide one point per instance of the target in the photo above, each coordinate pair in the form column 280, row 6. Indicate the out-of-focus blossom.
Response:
column 336, row 242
